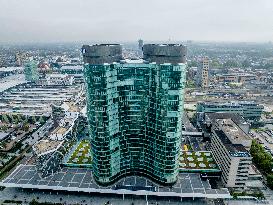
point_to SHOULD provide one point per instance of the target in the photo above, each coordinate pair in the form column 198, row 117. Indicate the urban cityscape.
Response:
column 140, row 121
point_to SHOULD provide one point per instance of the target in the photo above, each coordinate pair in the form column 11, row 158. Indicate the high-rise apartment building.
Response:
column 134, row 108
column 203, row 73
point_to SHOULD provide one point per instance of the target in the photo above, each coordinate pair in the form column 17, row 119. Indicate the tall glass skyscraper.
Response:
column 134, row 110
column 31, row 70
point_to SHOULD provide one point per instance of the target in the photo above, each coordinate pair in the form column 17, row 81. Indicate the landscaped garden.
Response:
column 190, row 160
column 82, row 154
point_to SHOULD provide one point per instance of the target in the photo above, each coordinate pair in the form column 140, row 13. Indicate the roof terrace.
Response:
column 46, row 145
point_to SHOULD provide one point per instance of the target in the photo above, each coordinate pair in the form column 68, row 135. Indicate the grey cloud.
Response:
column 125, row 20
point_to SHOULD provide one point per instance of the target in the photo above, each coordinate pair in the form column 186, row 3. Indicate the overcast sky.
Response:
column 128, row 20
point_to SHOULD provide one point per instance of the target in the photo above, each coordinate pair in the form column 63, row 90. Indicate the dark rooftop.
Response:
column 235, row 150
column 235, row 117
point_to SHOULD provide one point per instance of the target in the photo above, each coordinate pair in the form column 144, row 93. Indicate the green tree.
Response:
column 246, row 64
column 33, row 202
column 231, row 63
column 215, row 64
column 266, row 165
column 270, row 181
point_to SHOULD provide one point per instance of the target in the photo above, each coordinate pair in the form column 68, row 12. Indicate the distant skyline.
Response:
column 128, row 20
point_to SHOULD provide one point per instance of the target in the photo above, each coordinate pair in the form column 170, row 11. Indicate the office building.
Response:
column 230, row 148
column 31, row 71
column 134, row 108
column 235, row 78
column 249, row 110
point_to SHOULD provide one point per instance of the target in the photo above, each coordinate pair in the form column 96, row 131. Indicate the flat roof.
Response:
column 59, row 130
column 81, row 180
column 3, row 135
column 235, row 150
column 72, row 107
column 46, row 145
column 72, row 67
column 34, row 99
column 230, row 104
column 11, row 81
column 57, row 75
column 8, row 69
column 236, row 118
column 232, row 130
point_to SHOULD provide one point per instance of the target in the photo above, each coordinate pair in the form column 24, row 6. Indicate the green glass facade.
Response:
column 134, row 111
column 31, row 72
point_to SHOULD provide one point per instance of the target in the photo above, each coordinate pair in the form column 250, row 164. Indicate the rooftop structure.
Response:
column 45, row 146
column 102, row 53
column 134, row 109
column 165, row 53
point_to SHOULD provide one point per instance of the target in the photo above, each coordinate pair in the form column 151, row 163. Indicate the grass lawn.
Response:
column 196, row 160
column 82, row 154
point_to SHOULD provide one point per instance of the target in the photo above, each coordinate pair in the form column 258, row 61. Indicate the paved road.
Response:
column 77, row 198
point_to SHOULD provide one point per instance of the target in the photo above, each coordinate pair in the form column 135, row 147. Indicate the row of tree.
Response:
column 263, row 161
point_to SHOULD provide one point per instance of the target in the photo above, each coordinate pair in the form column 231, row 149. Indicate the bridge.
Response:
column 187, row 133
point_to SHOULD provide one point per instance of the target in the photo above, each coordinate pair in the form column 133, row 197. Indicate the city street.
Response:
column 84, row 199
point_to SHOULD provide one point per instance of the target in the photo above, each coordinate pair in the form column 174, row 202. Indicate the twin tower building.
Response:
column 134, row 109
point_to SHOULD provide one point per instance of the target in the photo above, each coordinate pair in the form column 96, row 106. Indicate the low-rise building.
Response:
column 235, row 77
column 56, row 79
column 249, row 110
column 76, row 71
